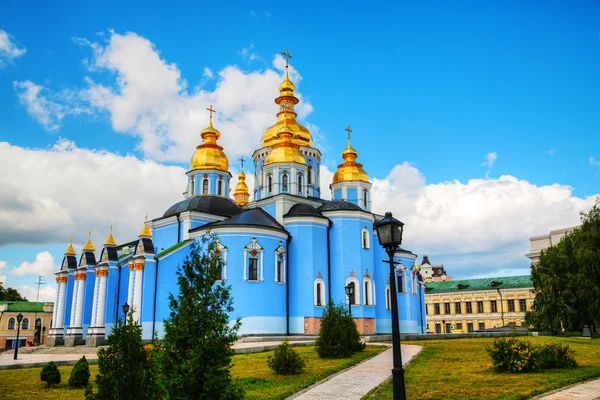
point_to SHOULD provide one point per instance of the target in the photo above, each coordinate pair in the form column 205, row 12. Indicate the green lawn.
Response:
column 250, row 370
column 461, row 369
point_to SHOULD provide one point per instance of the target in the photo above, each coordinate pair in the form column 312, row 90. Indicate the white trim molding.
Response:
column 254, row 250
column 280, row 257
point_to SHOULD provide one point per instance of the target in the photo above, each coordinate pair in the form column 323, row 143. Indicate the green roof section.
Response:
column 24, row 306
column 174, row 248
column 469, row 285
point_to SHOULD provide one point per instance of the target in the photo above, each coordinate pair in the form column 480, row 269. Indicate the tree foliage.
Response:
column 568, row 275
column 126, row 369
column 196, row 352
column 286, row 360
column 80, row 374
column 50, row 374
column 10, row 294
column 338, row 336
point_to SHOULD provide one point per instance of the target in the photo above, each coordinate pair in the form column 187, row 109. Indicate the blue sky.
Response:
column 429, row 87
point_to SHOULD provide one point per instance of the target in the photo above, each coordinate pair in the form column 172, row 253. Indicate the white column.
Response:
column 95, row 301
column 245, row 267
column 79, row 310
column 261, row 266
column 60, row 304
column 137, row 304
column 101, row 297
column 74, row 299
column 130, row 288
column 57, row 301
column 224, row 265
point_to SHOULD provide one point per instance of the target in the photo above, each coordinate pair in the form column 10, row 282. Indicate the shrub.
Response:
column 80, row 374
column 286, row 360
column 338, row 337
column 510, row 354
column 50, row 374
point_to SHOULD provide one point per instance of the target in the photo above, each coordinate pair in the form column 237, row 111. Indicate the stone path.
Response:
column 582, row 391
column 359, row 380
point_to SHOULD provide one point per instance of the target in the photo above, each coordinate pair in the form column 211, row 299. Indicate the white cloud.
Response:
column 41, row 106
column 8, row 49
column 595, row 162
column 248, row 54
column 51, row 194
column 47, row 292
column 207, row 73
column 42, row 266
column 490, row 159
column 2, row 277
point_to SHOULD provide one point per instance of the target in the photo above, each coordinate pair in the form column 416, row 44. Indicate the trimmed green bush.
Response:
column 286, row 360
column 80, row 374
column 50, row 374
column 338, row 337
column 510, row 354
column 555, row 355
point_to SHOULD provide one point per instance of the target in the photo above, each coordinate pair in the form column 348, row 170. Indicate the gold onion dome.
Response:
column 111, row 240
column 145, row 231
column 89, row 246
column 70, row 250
column 285, row 150
column 241, row 194
column 286, row 102
column 350, row 170
column 209, row 155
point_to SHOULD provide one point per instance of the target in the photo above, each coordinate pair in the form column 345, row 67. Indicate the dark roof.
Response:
column 90, row 257
column 303, row 210
column 71, row 263
column 216, row 205
column 337, row 205
column 255, row 217
column 506, row 282
column 112, row 253
column 148, row 246
column 438, row 271
column 425, row 260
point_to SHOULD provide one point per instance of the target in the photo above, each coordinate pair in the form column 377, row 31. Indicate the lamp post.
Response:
column 125, row 309
column 389, row 233
column 549, row 300
column 43, row 333
column 350, row 294
column 19, row 319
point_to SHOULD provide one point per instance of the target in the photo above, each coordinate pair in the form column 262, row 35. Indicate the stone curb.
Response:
column 542, row 395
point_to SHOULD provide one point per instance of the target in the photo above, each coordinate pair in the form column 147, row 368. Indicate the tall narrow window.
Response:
column 319, row 300
column 253, row 270
column 353, row 297
column 367, row 293
column 11, row 323
column 511, row 305
column 400, row 283
column 25, row 324
column 388, row 298
column 310, row 171
column 192, row 188
column 220, row 187
column 365, row 238
column 436, row 308
column 279, row 271
column 270, row 184
column 205, row 186
column 38, row 323
column 284, row 183
column 494, row 306
column 522, row 305
column 469, row 307
column 446, row 308
column 457, row 307
column 365, row 201
column 480, row 307
column 299, row 184
column 220, row 265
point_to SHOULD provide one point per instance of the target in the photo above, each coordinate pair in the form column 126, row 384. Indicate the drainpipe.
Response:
column 178, row 229
column 287, row 287
column 155, row 294
column 329, row 260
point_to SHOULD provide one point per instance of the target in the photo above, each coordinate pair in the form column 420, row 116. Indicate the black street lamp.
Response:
column 549, row 300
column 389, row 233
column 19, row 319
column 43, row 333
column 350, row 294
column 125, row 308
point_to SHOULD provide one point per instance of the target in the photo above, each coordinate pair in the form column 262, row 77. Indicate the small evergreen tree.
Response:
column 80, row 374
column 196, row 351
column 286, row 360
column 50, row 374
column 338, row 337
column 126, row 370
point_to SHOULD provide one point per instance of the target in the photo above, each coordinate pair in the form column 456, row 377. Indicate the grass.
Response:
column 461, row 369
column 250, row 370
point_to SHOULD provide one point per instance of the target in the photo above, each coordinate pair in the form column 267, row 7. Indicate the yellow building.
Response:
column 477, row 304
column 36, row 316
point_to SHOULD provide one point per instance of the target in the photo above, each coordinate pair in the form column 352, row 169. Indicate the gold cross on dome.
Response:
column 287, row 56
column 242, row 162
column 211, row 110
column 349, row 130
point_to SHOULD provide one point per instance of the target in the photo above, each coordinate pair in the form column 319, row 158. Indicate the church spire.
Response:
column 89, row 246
column 110, row 241
column 209, row 155
column 145, row 231
column 350, row 170
column 241, row 194
column 70, row 250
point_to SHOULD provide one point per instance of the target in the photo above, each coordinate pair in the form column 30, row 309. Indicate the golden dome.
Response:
column 145, row 231
column 287, row 101
column 241, row 194
column 89, row 246
column 209, row 155
column 111, row 240
column 285, row 150
column 70, row 250
column 350, row 170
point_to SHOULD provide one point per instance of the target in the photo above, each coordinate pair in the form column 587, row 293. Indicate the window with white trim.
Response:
column 253, row 262
column 220, row 251
column 365, row 238
column 356, row 296
column 280, row 264
column 270, row 179
column 25, row 324
column 220, row 187
column 388, row 298
column 284, row 183
column 368, row 292
column 192, row 188
column 11, row 323
column 205, row 186
column 319, row 293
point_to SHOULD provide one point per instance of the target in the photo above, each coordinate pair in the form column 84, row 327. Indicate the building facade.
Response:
column 285, row 254
column 36, row 317
column 432, row 273
column 476, row 304
column 542, row 242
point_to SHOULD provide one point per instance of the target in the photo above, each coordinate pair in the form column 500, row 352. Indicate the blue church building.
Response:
column 285, row 254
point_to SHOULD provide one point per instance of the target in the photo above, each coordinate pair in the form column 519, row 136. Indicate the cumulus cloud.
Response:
column 594, row 162
column 490, row 159
column 47, row 292
column 207, row 73
column 53, row 193
column 42, row 266
column 149, row 99
column 248, row 54
column 2, row 277
column 9, row 49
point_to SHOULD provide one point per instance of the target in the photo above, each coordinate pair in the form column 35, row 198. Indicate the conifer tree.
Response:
column 196, row 351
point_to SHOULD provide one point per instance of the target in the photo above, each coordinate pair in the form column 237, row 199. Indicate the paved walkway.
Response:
column 359, row 380
column 582, row 391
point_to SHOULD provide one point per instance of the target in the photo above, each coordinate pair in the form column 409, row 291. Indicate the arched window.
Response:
column 253, row 268
column 365, row 238
column 270, row 184
column 192, row 189
column 319, row 296
column 220, row 187
column 388, row 298
column 25, row 323
column 365, row 199
column 355, row 300
column 205, row 186
column 253, row 262
column 367, row 293
column 11, row 323
column 284, row 183
column 38, row 323
column 310, row 172
column 319, row 300
column 353, row 296
column 299, row 183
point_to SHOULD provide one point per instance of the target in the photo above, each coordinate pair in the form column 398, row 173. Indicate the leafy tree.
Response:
column 50, row 374
column 126, row 369
column 10, row 294
column 338, row 337
column 80, row 374
column 568, row 274
column 196, row 351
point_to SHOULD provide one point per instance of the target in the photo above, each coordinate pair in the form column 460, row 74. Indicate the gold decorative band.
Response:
column 104, row 272
column 139, row 266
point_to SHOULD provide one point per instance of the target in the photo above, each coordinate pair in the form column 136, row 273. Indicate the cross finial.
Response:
column 71, row 240
column 111, row 229
column 146, row 217
column 211, row 110
column 89, row 234
column 287, row 57
column 242, row 162
column 349, row 131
